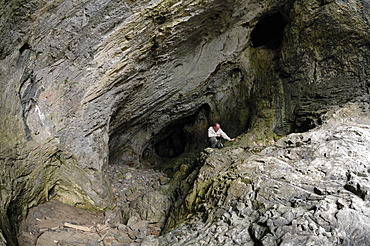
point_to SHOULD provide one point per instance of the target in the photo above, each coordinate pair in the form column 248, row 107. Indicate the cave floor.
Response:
column 55, row 223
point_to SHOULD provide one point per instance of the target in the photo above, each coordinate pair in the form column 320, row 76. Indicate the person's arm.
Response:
column 211, row 132
column 224, row 135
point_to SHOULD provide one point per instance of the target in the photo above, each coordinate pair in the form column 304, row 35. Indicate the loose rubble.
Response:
column 55, row 223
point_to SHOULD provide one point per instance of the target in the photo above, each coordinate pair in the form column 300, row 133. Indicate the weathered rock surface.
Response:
column 86, row 84
column 309, row 188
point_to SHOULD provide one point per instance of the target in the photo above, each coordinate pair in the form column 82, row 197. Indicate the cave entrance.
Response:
column 172, row 145
column 269, row 31
column 182, row 139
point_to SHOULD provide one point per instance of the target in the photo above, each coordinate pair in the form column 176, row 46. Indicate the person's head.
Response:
column 216, row 126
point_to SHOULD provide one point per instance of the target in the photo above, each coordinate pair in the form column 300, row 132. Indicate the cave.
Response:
column 99, row 90
column 305, row 121
column 182, row 137
column 269, row 31
column 173, row 144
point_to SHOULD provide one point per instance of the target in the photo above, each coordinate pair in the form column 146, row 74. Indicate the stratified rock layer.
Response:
column 88, row 83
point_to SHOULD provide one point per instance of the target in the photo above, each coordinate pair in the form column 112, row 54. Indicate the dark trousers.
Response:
column 215, row 142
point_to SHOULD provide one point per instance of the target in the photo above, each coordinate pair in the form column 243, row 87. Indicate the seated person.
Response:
column 215, row 134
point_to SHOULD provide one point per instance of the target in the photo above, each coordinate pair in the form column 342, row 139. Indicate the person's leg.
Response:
column 219, row 143
column 213, row 142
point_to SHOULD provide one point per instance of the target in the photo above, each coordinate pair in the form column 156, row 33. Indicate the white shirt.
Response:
column 213, row 133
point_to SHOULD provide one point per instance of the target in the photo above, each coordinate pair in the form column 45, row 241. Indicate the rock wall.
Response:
column 309, row 188
column 88, row 83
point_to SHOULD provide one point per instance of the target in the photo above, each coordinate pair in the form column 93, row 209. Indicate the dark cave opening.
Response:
column 305, row 121
column 172, row 145
column 179, row 142
column 184, row 135
column 269, row 31
column 12, row 222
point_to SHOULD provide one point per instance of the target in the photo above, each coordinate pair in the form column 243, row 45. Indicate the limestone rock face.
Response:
column 309, row 188
column 88, row 83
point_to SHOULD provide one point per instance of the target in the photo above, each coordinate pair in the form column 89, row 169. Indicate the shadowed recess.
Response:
column 269, row 32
